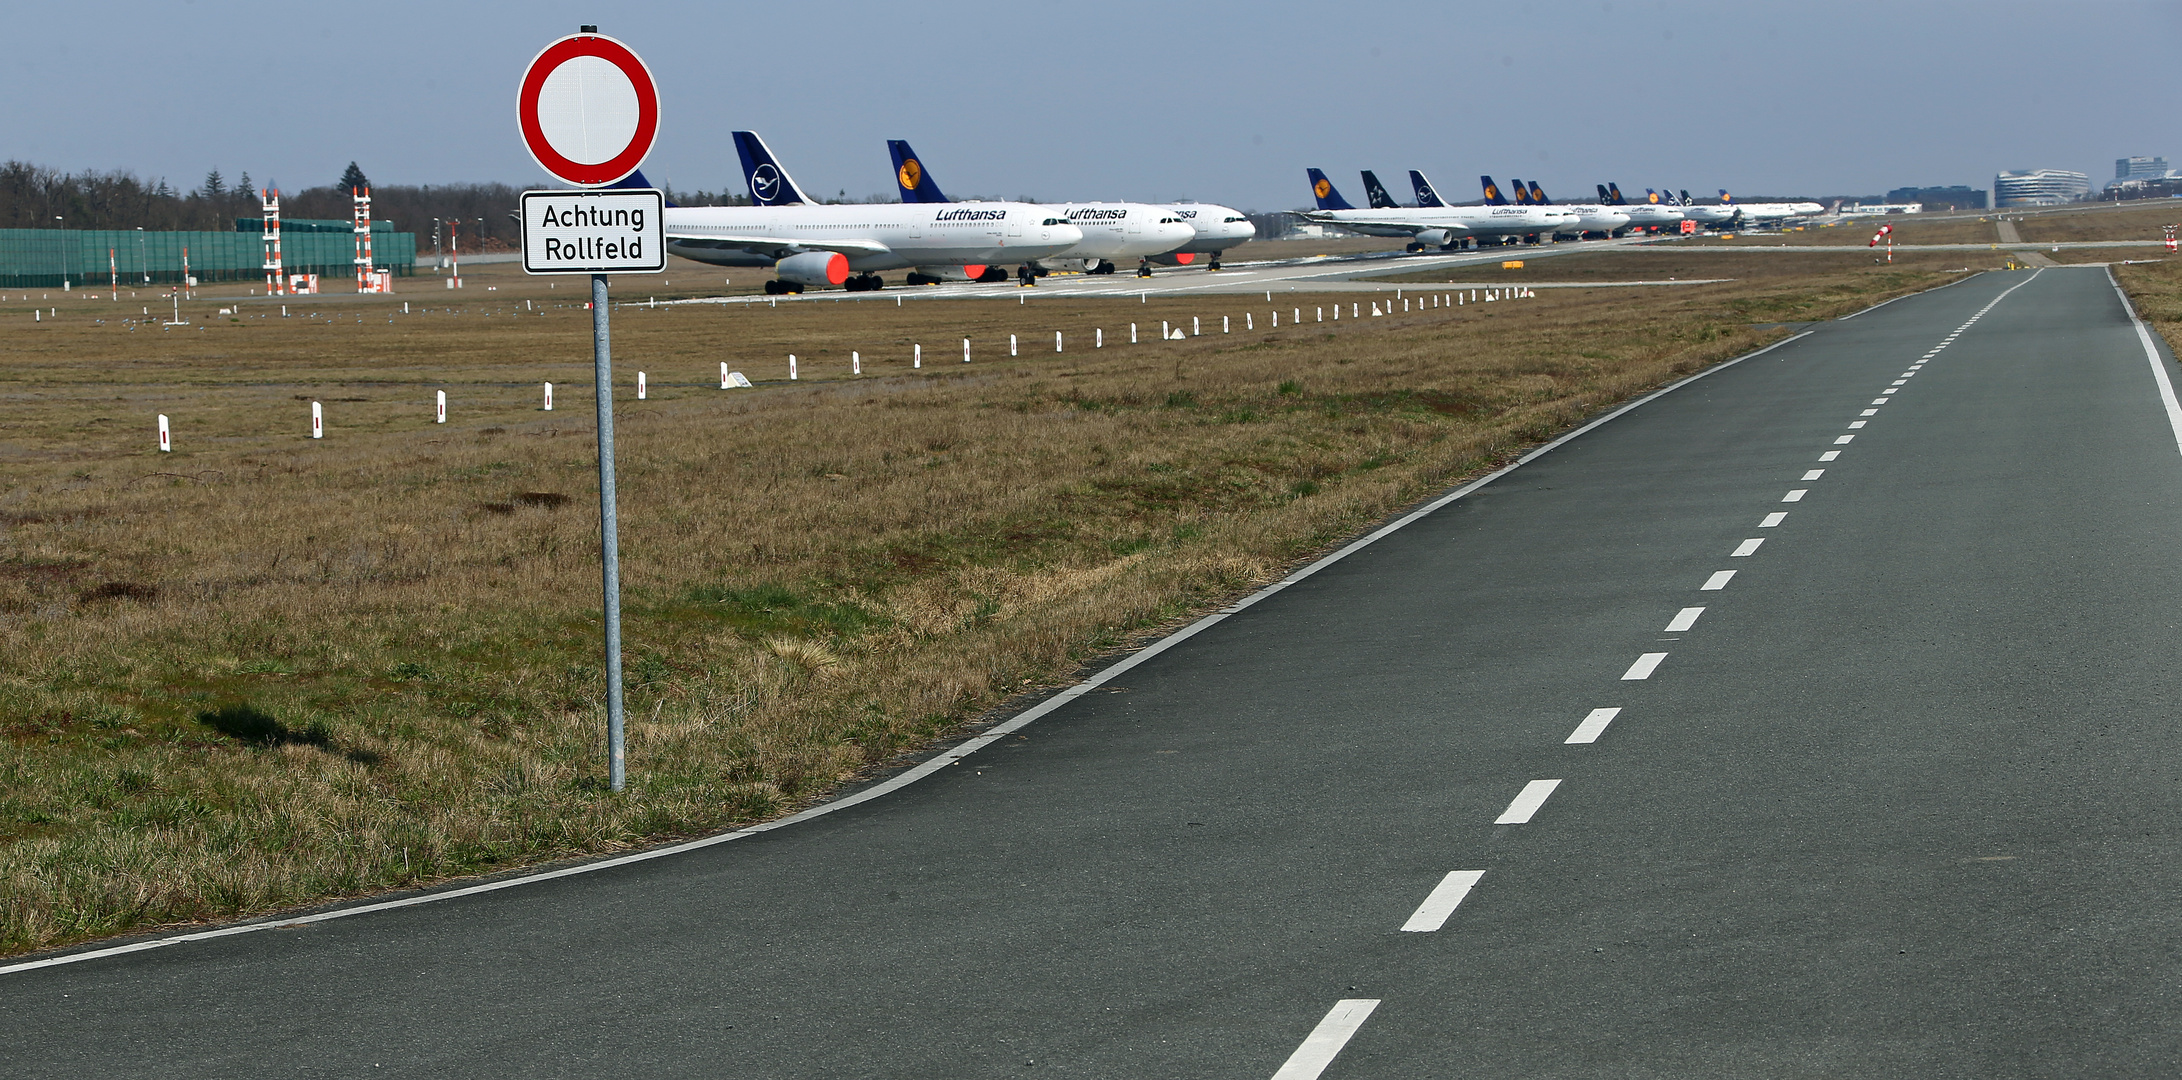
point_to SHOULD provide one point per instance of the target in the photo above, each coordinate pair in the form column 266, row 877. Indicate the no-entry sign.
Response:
column 588, row 109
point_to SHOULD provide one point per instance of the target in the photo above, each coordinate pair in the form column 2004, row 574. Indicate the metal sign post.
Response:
column 588, row 110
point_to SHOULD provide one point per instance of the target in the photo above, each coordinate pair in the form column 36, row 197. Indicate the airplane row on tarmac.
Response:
column 1530, row 217
column 809, row 244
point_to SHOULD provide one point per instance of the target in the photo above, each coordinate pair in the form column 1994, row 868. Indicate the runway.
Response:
column 1811, row 719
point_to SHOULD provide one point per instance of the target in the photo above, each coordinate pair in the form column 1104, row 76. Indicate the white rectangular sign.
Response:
column 594, row 232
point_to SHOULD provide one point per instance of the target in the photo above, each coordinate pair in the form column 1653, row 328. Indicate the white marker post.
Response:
column 791, row 367
column 1195, row 330
column 439, row 408
column 1250, row 321
column 318, row 421
column 965, row 350
column 166, row 441
column 549, row 397
column 856, row 363
column 916, row 356
column 588, row 110
column 723, row 374
column 1132, row 333
column 1098, row 338
column 1056, row 341
column 640, row 386
column 1011, row 344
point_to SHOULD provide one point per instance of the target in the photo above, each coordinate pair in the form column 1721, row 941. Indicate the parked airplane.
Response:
column 1218, row 228
column 1711, row 216
column 1110, row 230
column 808, row 244
column 1439, row 224
column 1590, row 217
column 1771, row 213
column 1650, row 214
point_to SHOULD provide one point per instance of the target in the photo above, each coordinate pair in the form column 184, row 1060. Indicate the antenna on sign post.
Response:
column 588, row 110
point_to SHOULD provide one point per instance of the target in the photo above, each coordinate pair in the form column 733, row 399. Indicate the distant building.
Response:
column 2140, row 168
column 1952, row 197
column 2040, row 187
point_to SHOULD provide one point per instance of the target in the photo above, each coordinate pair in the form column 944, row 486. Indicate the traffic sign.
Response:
column 594, row 232
column 588, row 109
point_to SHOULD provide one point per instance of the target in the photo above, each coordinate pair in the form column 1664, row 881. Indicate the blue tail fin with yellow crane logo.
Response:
column 1493, row 197
column 910, row 179
column 1323, row 190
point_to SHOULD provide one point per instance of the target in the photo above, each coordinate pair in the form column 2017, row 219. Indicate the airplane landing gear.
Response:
column 1413, row 247
column 1025, row 276
column 864, row 283
column 777, row 287
column 1144, row 269
column 1214, row 264
column 1102, row 266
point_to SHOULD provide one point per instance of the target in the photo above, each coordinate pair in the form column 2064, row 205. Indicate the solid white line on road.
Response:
column 1844, row 440
column 1869, row 412
column 1717, row 581
column 1774, row 518
column 1644, row 666
column 1856, row 423
column 2159, row 369
column 1814, row 474
column 1593, row 726
column 1747, row 547
column 1432, row 914
column 1683, row 620
column 1830, row 455
column 1795, row 495
column 1533, row 795
column 1327, row 1039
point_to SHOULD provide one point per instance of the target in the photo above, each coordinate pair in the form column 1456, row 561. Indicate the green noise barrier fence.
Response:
column 44, row 258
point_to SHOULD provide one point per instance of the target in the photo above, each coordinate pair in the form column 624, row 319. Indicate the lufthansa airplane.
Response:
column 1649, row 214
column 1710, row 216
column 1770, row 213
column 1110, row 230
column 1218, row 228
column 1590, row 217
column 810, row 245
column 1433, row 222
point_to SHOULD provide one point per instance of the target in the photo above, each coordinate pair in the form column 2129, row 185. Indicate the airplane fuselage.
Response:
column 873, row 236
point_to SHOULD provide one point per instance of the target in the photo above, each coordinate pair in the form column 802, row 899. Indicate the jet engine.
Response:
column 814, row 268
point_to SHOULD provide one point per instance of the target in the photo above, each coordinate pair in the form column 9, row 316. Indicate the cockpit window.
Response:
column 1054, row 221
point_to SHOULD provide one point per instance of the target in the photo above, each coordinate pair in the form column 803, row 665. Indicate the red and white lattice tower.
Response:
column 2171, row 245
column 362, row 197
column 275, row 284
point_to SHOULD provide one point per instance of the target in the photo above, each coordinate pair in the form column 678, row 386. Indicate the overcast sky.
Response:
column 1222, row 102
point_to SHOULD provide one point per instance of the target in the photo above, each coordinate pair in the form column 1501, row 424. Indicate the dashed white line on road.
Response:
column 1897, row 382
column 1747, row 547
column 1814, row 474
column 1717, row 581
column 1844, row 440
column 1856, row 423
column 1795, row 495
column 1533, row 796
column 1431, row 915
column 1327, row 1039
column 1644, row 666
column 1593, row 726
column 1869, row 412
column 1880, row 400
column 1830, row 455
column 1683, row 620
column 1774, row 518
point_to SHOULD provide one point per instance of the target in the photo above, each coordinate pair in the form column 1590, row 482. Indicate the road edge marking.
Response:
column 2151, row 353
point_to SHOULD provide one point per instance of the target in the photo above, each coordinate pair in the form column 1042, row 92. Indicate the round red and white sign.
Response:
column 588, row 110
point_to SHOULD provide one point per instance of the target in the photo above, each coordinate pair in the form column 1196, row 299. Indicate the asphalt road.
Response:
column 1901, row 800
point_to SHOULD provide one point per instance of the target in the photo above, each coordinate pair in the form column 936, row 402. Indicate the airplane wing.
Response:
column 773, row 246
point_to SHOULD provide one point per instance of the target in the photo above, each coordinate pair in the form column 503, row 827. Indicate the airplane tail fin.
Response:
column 1651, row 196
column 1615, row 190
column 770, row 185
column 1425, row 195
column 636, row 180
column 1538, row 195
column 1686, row 200
column 1322, row 189
column 1375, row 193
column 1725, row 198
column 1493, row 197
column 910, row 179
column 1603, row 196
column 1522, row 194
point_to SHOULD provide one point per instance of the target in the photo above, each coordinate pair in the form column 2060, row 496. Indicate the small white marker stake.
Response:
column 1194, row 329
column 791, row 367
column 723, row 374
column 916, row 358
column 1223, row 324
column 856, row 363
column 1352, row 310
column 1295, row 315
column 1098, row 338
column 1250, row 321
column 1011, row 344
column 1164, row 331
column 549, row 397
column 166, row 441
column 640, row 386
column 318, row 421
column 439, row 408
column 965, row 350
column 1132, row 333
column 1056, row 341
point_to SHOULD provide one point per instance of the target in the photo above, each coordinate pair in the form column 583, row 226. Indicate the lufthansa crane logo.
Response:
column 911, row 174
column 1491, row 192
column 765, row 182
column 1322, row 189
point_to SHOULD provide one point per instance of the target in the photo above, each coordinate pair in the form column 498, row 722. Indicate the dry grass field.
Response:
column 2155, row 288
column 263, row 671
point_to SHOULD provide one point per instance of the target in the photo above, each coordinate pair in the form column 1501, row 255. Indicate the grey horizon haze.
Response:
column 1220, row 102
